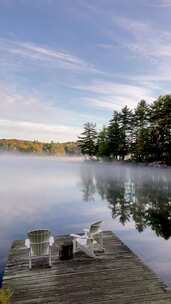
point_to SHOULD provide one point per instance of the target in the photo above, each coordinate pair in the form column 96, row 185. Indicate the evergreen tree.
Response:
column 141, row 145
column 126, row 124
column 161, row 128
column 145, row 134
column 88, row 140
column 115, row 136
column 103, row 143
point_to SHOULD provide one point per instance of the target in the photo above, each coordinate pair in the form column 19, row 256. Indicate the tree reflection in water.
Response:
column 134, row 193
column 88, row 186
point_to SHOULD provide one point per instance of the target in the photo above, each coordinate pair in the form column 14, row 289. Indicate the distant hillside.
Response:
column 15, row 145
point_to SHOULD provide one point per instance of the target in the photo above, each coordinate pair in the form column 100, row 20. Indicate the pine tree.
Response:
column 88, row 140
column 141, row 131
column 160, row 119
column 102, row 143
column 126, row 124
column 144, row 133
column 115, row 136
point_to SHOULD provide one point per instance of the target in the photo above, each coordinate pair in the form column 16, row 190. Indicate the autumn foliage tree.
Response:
column 52, row 148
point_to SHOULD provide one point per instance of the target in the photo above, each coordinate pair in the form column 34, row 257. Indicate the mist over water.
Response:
column 67, row 194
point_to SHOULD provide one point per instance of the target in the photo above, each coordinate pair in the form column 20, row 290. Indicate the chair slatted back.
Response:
column 95, row 228
column 39, row 241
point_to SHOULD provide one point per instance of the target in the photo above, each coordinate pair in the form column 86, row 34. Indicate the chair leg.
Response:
column 58, row 252
column 30, row 263
column 91, row 249
column 75, row 246
column 101, row 241
column 50, row 257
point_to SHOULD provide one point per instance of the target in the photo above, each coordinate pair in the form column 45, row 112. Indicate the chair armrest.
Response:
column 51, row 240
column 97, row 232
column 75, row 236
column 27, row 243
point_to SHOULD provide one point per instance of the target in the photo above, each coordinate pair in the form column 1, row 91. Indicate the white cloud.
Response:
column 109, row 87
column 147, row 39
column 156, row 80
column 29, row 117
column 16, row 106
column 107, row 104
column 43, row 54
column 150, row 44
column 32, row 131
column 110, row 95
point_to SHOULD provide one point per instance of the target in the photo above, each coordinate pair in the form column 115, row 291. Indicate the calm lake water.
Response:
column 66, row 195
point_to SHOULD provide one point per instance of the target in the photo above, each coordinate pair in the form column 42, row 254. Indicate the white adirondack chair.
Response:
column 39, row 243
column 94, row 231
column 90, row 241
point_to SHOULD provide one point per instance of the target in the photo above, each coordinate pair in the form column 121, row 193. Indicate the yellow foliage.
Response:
column 26, row 146
column 5, row 296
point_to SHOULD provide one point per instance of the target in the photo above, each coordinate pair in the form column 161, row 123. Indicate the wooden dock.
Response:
column 117, row 276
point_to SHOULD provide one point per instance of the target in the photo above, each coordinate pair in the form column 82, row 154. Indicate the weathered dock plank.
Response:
column 117, row 276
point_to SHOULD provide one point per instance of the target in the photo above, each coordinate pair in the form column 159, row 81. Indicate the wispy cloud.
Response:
column 108, row 103
column 24, row 116
column 146, row 39
column 160, row 3
column 110, row 95
column 150, row 45
column 32, row 131
column 43, row 54
column 108, row 87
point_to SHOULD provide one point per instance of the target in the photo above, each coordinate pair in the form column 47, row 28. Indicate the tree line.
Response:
column 142, row 134
column 61, row 149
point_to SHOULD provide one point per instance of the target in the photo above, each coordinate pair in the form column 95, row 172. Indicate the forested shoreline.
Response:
column 141, row 135
column 36, row 147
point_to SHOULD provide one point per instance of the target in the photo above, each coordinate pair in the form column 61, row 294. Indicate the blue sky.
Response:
column 65, row 62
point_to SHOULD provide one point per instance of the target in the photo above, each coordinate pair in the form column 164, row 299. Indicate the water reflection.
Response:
column 88, row 183
column 66, row 195
column 139, row 194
